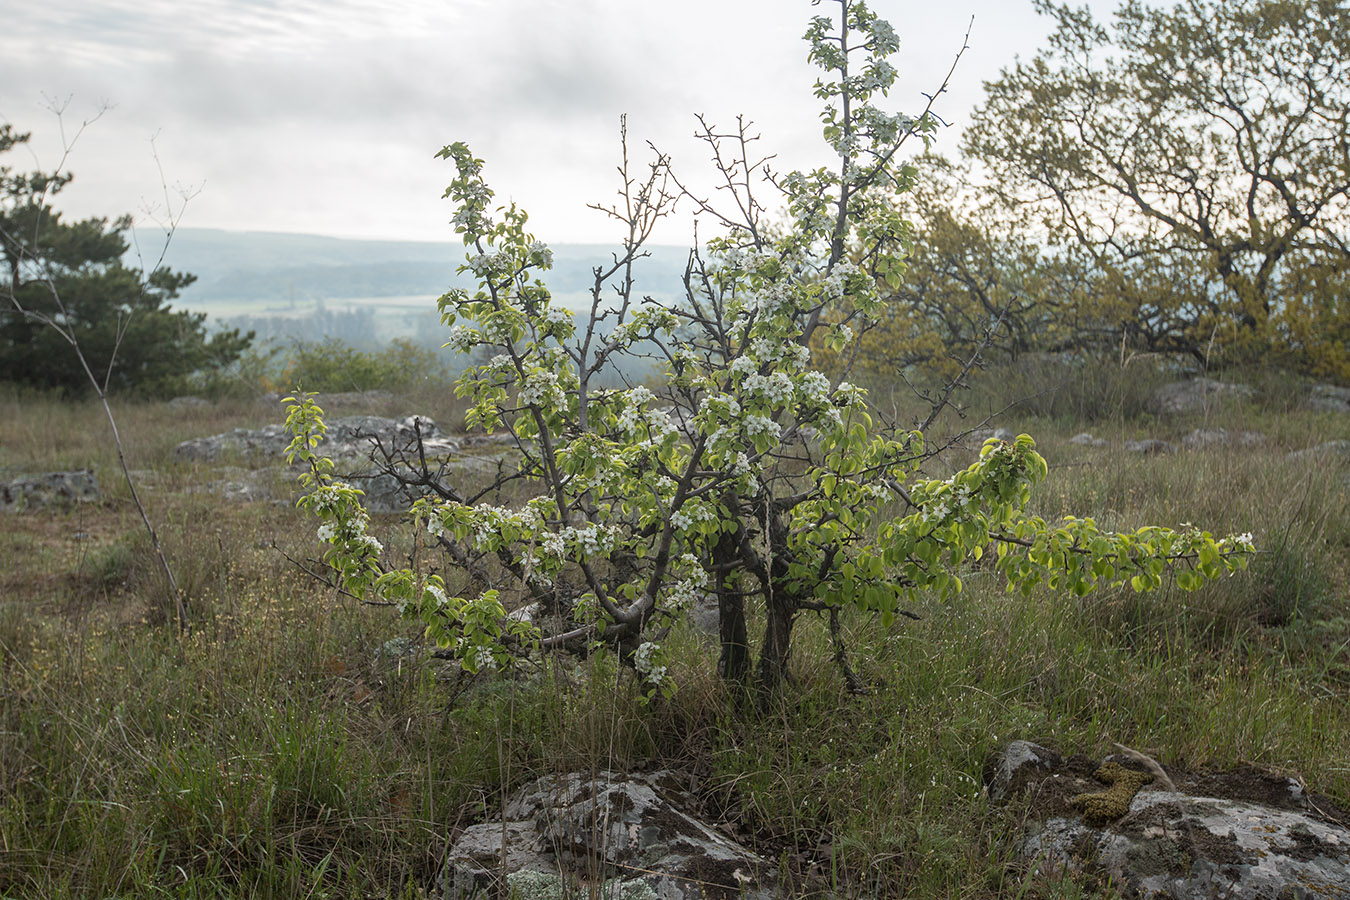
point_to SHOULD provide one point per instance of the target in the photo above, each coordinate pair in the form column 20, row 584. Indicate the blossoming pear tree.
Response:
column 747, row 476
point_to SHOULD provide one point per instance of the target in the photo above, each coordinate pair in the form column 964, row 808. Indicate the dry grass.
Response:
column 280, row 751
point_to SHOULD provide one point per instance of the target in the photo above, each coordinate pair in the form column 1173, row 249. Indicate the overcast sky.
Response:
column 323, row 116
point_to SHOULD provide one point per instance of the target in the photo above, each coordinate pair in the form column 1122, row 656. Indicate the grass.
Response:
column 279, row 750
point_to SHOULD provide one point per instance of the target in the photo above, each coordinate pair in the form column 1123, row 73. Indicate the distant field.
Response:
column 270, row 307
column 403, row 303
column 373, row 289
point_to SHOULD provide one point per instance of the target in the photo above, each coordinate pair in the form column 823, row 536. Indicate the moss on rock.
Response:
column 1108, row 805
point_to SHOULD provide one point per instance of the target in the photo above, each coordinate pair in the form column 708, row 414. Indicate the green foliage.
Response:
column 328, row 365
column 333, row 365
column 66, row 282
column 764, row 479
column 1197, row 153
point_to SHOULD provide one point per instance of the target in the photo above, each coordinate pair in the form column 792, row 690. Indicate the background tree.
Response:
column 1201, row 153
column 66, row 284
column 973, row 284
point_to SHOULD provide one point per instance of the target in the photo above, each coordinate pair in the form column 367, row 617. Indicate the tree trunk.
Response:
column 780, row 609
column 773, row 656
column 734, row 663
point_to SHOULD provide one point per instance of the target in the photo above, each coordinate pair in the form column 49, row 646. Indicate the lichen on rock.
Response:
column 1108, row 805
column 533, row 885
column 1243, row 834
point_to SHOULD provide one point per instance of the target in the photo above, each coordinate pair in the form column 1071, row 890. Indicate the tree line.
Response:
column 1174, row 182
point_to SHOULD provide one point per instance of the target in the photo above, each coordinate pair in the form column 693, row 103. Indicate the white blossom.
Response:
column 815, row 387
column 850, row 392
column 541, row 388
column 758, row 259
column 731, row 258
column 758, row 424
column 884, row 39
column 540, row 255
column 774, row 299
column 682, row 595
column 697, row 573
column 743, row 365
column 795, row 356
column 476, row 192
column 646, row 662
column 937, row 513
column 777, row 388
column 590, row 540
column 764, row 349
column 487, row 265
column 555, row 318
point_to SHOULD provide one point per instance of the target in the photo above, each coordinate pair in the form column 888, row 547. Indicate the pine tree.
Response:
column 68, row 282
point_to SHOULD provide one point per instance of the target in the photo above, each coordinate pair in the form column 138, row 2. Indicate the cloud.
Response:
column 323, row 115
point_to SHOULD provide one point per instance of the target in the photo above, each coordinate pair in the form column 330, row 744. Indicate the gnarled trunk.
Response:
column 734, row 663
column 780, row 611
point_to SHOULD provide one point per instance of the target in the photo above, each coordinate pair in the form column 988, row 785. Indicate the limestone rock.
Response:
column 706, row 615
column 49, row 489
column 498, row 440
column 1086, row 439
column 1202, row 438
column 1244, row 835
column 348, row 438
column 1149, row 446
column 1330, row 398
column 268, row 441
column 386, row 494
column 1199, row 847
column 1328, row 449
column 240, row 485
column 1196, row 394
column 616, row 831
column 1019, row 762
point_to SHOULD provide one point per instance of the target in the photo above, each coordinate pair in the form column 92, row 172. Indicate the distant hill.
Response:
column 256, row 272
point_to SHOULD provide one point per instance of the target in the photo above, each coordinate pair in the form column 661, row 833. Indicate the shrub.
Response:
column 749, row 477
